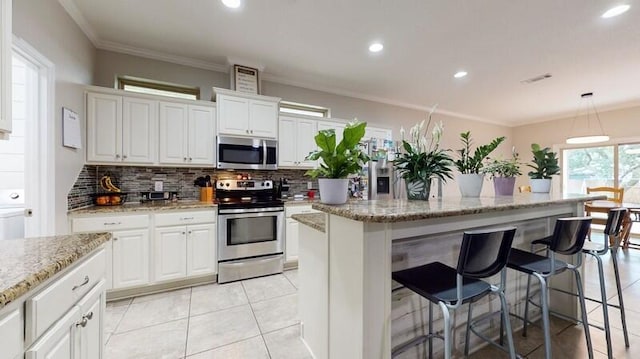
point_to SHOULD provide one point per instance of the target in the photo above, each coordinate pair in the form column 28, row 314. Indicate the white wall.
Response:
column 47, row 27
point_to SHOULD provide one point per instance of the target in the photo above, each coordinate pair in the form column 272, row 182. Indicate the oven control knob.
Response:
column 227, row 184
column 220, row 184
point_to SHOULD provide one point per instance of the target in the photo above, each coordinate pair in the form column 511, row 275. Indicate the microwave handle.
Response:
column 264, row 152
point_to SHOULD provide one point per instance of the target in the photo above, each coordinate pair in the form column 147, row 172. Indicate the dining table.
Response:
column 633, row 215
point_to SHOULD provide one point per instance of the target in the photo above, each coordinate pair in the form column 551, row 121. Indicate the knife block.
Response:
column 206, row 194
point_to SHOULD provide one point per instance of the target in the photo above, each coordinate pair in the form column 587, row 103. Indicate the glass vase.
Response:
column 418, row 190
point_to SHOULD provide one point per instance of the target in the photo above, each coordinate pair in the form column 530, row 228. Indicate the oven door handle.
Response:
column 250, row 210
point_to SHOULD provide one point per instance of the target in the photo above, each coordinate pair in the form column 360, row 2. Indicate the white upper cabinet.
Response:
column 337, row 126
column 121, row 129
column 5, row 69
column 377, row 133
column 246, row 115
column 296, row 140
column 187, row 134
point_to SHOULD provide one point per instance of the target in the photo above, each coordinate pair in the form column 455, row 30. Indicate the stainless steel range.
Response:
column 250, row 229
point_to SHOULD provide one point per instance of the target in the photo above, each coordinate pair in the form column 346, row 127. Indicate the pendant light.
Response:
column 588, row 135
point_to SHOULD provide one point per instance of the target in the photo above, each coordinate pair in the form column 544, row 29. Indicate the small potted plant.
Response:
column 503, row 173
column 423, row 160
column 545, row 165
column 470, row 162
column 337, row 161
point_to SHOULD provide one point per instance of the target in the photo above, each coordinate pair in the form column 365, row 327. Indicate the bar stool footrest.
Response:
column 400, row 348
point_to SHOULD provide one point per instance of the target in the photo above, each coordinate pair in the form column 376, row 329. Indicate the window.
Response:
column 158, row 88
column 302, row 109
column 616, row 165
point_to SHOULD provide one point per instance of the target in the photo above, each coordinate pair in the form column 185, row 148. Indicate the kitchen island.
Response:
column 359, row 313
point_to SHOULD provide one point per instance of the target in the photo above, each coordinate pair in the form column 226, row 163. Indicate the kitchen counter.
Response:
column 26, row 263
column 390, row 211
column 143, row 207
column 314, row 220
column 300, row 202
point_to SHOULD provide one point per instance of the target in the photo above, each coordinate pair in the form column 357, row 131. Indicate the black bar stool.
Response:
column 483, row 254
column 568, row 239
column 612, row 232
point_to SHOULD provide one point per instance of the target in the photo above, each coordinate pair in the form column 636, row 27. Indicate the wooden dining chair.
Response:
column 613, row 194
column 524, row 189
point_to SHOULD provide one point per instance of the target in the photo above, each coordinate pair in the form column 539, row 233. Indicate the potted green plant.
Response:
column 545, row 165
column 470, row 162
column 423, row 160
column 337, row 161
column 503, row 172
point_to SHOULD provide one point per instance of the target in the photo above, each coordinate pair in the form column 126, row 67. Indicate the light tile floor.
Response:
column 255, row 318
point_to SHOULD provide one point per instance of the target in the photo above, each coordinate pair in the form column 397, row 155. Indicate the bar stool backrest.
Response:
column 485, row 253
column 614, row 221
column 569, row 235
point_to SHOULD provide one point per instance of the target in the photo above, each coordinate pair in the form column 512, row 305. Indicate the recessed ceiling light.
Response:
column 233, row 4
column 615, row 11
column 376, row 47
column 460, row 74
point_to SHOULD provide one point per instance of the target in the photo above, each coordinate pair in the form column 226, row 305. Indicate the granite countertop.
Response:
column 26, row 263
column 387, row 211
column 313, row 220
column 143, row 207
column 300, row 202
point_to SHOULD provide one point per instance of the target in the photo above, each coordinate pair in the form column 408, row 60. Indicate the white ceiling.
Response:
column 323, row 44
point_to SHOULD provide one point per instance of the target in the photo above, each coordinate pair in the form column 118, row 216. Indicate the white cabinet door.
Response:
column 89, row 332
column 174, row 134
column 170, row 253
column 59, row 342
column 11, row 334
column 5, row 68
column 130, row 258
column 263, row 117
column 291, row 240
column 337, row 127
column 139, row 130
column 233, row 115
column 201, row 249
column 201, row 135
column 305, row 141
column 287, row 153
column 104, row 128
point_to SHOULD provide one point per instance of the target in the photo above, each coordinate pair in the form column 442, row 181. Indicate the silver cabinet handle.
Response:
column 247, row 131
column 112, row 223
column 115, row 238
column 186, row 218
column 14, row 195
column 183, row 233
column 251, row 131
column 124, row 157
column 190, row 232
column 190, row 159
column 85, row 282
column 117, row 156
column 85, row 319
column 184, row 159
column 89, row 315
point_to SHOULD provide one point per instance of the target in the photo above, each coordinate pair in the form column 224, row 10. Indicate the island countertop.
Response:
column 26, row 263
column 314, row 220
column 389, row 211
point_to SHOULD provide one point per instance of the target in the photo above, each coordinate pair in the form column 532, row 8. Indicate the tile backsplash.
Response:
column 133, row 180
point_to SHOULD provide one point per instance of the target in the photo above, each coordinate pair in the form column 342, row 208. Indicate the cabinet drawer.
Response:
column 184, row 218
column 298, row 209
column 108, row 224
column 46, row 307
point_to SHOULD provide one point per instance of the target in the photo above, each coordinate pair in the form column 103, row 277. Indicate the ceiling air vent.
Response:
column 536, row 79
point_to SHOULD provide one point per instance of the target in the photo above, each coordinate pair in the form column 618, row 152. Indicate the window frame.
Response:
column 323, row 111
column 122, row 81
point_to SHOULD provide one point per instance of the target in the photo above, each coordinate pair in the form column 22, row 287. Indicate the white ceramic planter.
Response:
column 540, row 185
column 333, row 190
column 470, row 184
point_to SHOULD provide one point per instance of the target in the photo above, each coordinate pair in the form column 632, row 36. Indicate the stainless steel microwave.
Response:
column 247, row 153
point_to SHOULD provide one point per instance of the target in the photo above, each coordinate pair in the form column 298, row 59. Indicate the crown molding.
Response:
column 72, row 9
column 161, row 56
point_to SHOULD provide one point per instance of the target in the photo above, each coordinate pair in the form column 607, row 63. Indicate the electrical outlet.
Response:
column 309, row 185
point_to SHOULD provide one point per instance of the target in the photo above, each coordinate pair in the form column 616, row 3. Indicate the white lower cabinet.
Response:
column 11, row 334
column 130, row 258
column 291, row 251
column 182, row 251
column 59, row 342
column 89, row 333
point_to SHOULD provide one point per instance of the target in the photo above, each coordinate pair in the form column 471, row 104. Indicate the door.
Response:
column 174, row 135
column 201, row 135
column 233, row 115
column 263, row 118
column 305, row 140
column 130, row 258
column 89, row 343
column 170, row 253
column 287, row 153
column 59, row 341
column 201, row 249
column 104, row 127
column 291, row 247
column 250, row 234
column 139, row 130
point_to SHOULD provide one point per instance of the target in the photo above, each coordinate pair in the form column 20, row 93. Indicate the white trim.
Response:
column 72, row 9
column 45, row 181
column 161, row 56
